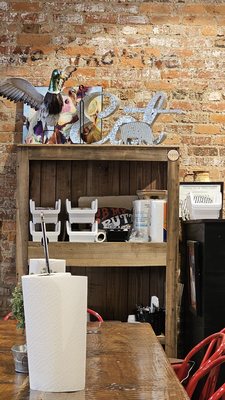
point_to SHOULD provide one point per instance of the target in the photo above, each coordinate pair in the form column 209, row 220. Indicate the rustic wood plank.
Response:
column 103, row 178
column 97, row 290
column 157, row 286
column 63, row 192
column 146, row 175
column 172, row 257
column 138, row 288
column 159, row 175
column 116, row 302
column 48, row 184
column 35, row 181
column 95, row 152
column 117, row 254
column 77, row 271
column 78, row 181
column 124, row 178
column 22, row 211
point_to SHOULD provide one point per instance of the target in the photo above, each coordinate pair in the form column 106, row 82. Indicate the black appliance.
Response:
column 203, row 272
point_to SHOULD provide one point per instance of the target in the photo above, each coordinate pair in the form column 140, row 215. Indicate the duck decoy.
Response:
column 48, row 106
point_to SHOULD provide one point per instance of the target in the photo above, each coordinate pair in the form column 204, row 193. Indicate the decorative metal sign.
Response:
column 131, row 130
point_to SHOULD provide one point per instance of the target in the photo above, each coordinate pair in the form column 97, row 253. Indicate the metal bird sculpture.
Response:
column 48, row 107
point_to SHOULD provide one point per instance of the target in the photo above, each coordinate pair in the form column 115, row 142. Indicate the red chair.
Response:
column 207, row 368
column 210, row 385
column 219, row 393
column 89, row 310
column 216, row 347
column 8, row 316
column 97, row 315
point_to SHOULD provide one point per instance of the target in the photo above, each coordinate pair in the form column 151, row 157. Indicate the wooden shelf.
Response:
column 104, row 254
column 46, row 173
column 95, row 152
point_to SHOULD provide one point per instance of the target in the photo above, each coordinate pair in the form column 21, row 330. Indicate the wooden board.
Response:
column 108, row 201
column 106, row 254
column 124, row 362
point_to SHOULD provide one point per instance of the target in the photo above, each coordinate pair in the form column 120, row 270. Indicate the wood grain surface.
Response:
column 124, row 361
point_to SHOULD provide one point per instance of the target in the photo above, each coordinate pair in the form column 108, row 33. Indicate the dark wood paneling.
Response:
column 117, row 281
column 35, row 181
column 97, row 290
column 63, row 192
column 48, row 183
column 78, row 181
column 113, row 292
column 124, row 181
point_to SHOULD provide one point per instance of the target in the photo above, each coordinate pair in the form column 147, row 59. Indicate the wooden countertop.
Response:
column 124, row 361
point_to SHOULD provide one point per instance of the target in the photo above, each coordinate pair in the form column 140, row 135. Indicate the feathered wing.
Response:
column 66, row 73
column 18, row 89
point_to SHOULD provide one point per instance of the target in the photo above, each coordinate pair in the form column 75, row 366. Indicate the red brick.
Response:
column 100, row 18
column 165, row 19
column 204, row 151
column 207, row 129
column 209, row 30
column 75, row 50
column 132, row 19
column 216, row 9
column 218, row 118
column 25, row 6
column 152, row 8
column 159, row 85
column 8, row 225
column 193, row 9
column 198, row 20
column 24, row 39
column 219, row 141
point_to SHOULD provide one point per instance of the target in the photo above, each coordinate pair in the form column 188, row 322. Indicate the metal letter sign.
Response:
column 131, row 130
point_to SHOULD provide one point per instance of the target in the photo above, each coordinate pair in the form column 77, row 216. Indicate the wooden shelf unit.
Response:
column 48, row 172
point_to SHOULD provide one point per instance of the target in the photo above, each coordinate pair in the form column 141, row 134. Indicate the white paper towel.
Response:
column 56, row 323
column 158, row 220
column 101, row 236
column 38, row 265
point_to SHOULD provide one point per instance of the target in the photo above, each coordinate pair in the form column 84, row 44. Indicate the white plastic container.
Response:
column 141, row 221
column 78, row 215
column 50, row 214
column 204, row 205
column 82, row 236
column 51, row 235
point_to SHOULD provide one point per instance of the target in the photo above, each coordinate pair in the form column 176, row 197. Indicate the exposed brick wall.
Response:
column 131, row 48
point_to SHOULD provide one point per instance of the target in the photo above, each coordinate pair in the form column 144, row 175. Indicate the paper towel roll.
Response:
column 100, row 237
column 158, row 219
column 56, row 323
column 38, row 265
